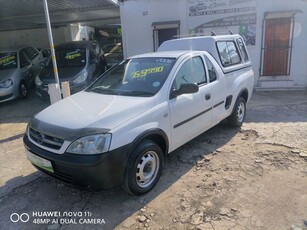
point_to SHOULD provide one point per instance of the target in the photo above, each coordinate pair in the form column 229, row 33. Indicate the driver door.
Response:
column 28, row 73
column 190, row 113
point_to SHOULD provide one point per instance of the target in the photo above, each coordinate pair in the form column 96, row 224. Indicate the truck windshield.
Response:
column 8, row 60
column 141, row 77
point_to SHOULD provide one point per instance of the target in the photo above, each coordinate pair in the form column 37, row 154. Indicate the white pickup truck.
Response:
column 119, row 130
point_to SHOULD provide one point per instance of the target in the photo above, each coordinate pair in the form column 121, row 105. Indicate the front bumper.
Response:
column 7, row 94
column 91, row 172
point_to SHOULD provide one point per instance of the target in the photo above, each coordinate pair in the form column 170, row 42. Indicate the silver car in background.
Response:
column 18, row 68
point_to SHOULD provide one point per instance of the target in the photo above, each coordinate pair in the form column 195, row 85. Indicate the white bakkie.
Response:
column 119, row 130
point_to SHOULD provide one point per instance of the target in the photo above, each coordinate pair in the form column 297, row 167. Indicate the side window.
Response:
column 92, row 56
column 36, row 52
column 31, row 53
column 192, row 71
column 96, row 48
column 211, row 70
column 228, row 53
column 242, row 49
column 23, row 58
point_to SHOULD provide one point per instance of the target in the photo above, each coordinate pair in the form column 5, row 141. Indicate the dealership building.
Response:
column 274, row 31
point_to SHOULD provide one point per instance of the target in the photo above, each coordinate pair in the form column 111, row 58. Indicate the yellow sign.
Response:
column 72, row 56
column 6, row 59
column 145, row 72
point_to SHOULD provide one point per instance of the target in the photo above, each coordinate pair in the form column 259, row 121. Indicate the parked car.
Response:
column 114, row 53
column 78, row 62
column 46, row 55
column 119, row 130
column 18, row 68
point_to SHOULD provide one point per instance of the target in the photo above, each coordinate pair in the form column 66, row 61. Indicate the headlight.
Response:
column 6, row 84
column 81, row 78
column 38, row 81
column 91, row 144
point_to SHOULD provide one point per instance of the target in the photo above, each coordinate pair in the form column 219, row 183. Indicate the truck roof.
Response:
column 200, row 43
column 204, row 43
column 164, row 54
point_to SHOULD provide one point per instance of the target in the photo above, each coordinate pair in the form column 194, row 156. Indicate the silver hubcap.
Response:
column 147, row 169
column 24, row 90
column 240, row 112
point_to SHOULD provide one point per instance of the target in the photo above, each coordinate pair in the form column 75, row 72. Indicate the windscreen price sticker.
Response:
column 57, row 217
column 7, row 60
column 72, row 55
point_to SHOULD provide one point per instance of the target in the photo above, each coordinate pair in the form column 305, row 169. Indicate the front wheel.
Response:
column 144, row 168
column 23, row 90
column 237, row 116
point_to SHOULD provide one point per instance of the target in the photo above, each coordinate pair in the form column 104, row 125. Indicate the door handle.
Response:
column 208, row 96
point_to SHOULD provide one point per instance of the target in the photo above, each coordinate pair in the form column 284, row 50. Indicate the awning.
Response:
column 281, row 14
column 29, row 14
column 166, row 24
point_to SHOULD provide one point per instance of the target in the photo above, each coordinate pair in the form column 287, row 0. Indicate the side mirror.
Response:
column 185, row 88
column 45, row 53
column 42, row 64
column 94, row 61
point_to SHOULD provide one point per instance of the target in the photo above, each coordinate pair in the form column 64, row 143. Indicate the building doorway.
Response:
column 276, row 50
column 163, row 31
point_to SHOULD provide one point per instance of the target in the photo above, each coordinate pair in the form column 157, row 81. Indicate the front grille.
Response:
column 57, row 175
column 46, row 140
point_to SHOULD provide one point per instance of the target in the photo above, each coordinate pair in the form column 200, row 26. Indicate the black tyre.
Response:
column 144, row 168
column 104, row 67
column 23, row 90
column 237, row 116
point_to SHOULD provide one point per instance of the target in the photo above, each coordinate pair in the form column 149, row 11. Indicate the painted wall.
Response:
column 137, row 17
column 39, row 37
column 35, row 37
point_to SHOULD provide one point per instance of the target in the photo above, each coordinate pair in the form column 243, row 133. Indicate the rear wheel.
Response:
column 23, row 90
column 144, row 168
column 104, row 67
column 237, row 116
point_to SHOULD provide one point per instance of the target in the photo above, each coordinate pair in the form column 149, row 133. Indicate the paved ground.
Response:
column 250, row 178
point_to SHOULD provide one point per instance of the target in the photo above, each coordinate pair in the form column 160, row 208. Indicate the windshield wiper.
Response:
column 137, row 93
column 100, row 90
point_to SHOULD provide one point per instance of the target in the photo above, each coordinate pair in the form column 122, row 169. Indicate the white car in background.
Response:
column 119, row 130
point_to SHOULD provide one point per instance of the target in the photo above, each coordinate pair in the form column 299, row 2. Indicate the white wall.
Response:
column 137, row 17
column 39, row 37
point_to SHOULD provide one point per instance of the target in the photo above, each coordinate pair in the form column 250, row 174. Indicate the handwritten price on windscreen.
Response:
column 145, row 72
column 6, row 59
